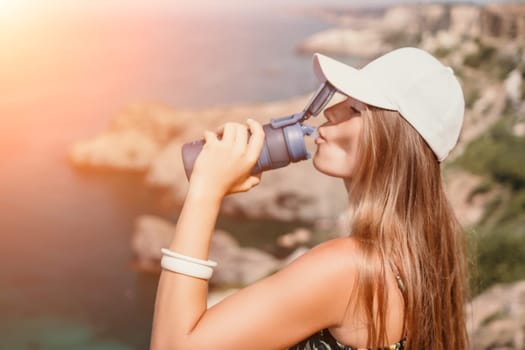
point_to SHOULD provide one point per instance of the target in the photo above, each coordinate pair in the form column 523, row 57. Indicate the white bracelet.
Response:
column 187, row 268
column 168, row 252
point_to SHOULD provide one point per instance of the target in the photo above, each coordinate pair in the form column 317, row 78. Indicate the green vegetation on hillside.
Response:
column 489, row 59
column 498, row 241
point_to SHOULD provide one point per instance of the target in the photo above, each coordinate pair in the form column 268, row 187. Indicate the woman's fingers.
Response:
column 241, row 137
column 252, row 181
column 256, row 178
column 235, row 134
column 209, row 137
column 246, row 185
column 256, row 140
column 230, row 155
column 242, row 140
column 229, row 133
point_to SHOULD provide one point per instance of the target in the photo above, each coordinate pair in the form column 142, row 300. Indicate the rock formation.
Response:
column 496, row 318
column 368, row 35
column 363, row 43
column 504, row 21
column 239, row 266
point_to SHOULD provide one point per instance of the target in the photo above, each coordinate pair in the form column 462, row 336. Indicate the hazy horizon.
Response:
column 10, row 9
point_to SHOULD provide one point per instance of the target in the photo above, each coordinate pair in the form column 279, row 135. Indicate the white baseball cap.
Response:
column 407, row 80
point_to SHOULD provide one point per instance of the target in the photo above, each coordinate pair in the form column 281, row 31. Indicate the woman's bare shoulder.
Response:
column 336, row 255
column 337, row 247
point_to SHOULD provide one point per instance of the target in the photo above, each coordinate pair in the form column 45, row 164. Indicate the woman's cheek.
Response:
column 344, row 144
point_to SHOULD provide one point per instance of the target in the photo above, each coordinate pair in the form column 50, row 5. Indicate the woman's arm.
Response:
column 181, row 300
column 310, row 294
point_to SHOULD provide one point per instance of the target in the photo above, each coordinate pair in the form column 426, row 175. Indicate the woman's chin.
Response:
column 315, row 161
column 319, row 166
column 324, row 167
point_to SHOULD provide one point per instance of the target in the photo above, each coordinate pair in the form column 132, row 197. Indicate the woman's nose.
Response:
column 324, row 124
column 321, row 131
column 328, row 114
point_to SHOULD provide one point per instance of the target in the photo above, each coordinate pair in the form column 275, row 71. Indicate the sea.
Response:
column 66, row 276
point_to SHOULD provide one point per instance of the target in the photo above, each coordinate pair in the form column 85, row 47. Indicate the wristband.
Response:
column 185, row 267
column 168, row 252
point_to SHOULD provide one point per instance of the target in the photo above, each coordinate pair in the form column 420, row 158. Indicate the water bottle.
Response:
column 284, row 137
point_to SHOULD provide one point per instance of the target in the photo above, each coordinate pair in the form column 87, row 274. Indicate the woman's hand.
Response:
column 224, row 165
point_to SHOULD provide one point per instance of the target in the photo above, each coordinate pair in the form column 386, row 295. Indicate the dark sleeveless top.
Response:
column 324, row 340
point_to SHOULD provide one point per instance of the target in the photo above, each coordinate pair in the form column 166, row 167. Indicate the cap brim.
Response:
column 350, row 81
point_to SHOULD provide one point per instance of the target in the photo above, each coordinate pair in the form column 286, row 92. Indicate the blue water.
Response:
column 65, row 276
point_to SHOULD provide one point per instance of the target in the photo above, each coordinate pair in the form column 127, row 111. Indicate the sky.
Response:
column 14, row 8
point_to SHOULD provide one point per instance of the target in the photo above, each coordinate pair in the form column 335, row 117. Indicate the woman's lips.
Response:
column 320, row 137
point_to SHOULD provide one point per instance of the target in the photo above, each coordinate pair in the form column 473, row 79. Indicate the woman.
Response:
column 397, row 281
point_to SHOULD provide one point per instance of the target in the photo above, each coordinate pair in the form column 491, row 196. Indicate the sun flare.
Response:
column 8, row 7
column 13, row 11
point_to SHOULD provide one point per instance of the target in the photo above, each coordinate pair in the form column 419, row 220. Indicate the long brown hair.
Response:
column 403, row 220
